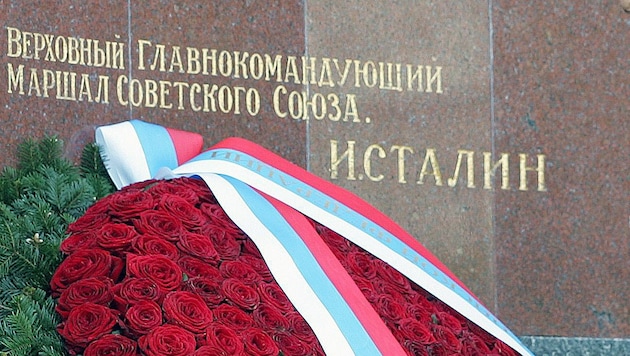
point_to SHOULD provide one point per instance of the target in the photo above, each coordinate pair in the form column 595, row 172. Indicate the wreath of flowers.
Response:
column 157, row 268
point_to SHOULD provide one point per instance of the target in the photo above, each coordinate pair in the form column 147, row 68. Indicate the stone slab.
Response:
column 32, row 111
column 576, row 346
column 561, row 84
column 514, row 78
column 234, row 30
column 453, row 222
column 262, row 26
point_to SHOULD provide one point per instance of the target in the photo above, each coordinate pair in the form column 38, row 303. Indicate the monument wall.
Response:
column 495, row 132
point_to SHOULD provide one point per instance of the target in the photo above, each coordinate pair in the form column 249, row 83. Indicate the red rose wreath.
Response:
column 159, row 269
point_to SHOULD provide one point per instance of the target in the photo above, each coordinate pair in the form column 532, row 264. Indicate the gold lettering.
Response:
column 14, row 48
column 239, row 64
column 33, row 83
column 412, row 76
column 192, row 56
column 292, row 70
column 141, row 45
column 367, row 162
column 470, row 167
column 401, row 160
column 225, row 63
column 489, row 170
column 280, row 90
column 431, row 159
column 273, row 67
column 335, row 159
column 540, row 169
column 84, row 89
column 325, row 77
column 102, row 94
column 435, row 78
column 256, row 66
column 176, row 61
column 15, row 78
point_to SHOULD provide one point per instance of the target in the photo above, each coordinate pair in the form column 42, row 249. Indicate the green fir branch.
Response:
column 38, row 200
column 30, row 328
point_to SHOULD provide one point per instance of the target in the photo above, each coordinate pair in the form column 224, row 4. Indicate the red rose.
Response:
column 224, row 338
column 240, row 271
column 161, row 270
column 181, row 209
column 154, row 245
column 111, row 345
column 84, row 264
column 450, row 321
column 412, row 329
column 101, row 206
column 172, row 188
column 272, row 294
column 208, row 289
column 198, row 246
column 197, row 185
column 143, row 317
column 480, row 333
column 78, row 241
column 415, row 348
column 419, row 312
column 194, row 267
column 219, row 218
column 141, row 186
column 250, row 248
column 133, row 290
column 447, row 338
column 422, row 301
column 86, row 323
column 94, row 290
column 389, row 309
column 332, row 238
column 209, row 351
column 129, row 203
column 392, row 276
column 383, row 287
column 159, row 223
column 89, row 221
column 290, row 344
column 268, row 317
column 474, row 345
column 258, row 343
column 258, row 265
column 300, row 328
column 439, row 349
column 367, row 288
column 187, row 310
column 115, row 237
column 233, row 317
column 240, row 294
column 502, row 349
column 167, row 340
column 227, row 243
column 361, row 264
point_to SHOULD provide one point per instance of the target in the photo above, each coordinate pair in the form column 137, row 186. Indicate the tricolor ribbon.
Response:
column 268, row 198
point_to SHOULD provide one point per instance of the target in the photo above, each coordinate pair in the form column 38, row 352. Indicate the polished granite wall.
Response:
column 507, row 93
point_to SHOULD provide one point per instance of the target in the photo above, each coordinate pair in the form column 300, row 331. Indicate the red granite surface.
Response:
column 518, row 77
column 32, row 116
column 264, row 27
column 453, row 222
column 561, row 88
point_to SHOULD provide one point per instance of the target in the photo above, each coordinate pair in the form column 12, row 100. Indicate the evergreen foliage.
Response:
column 38, row 200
